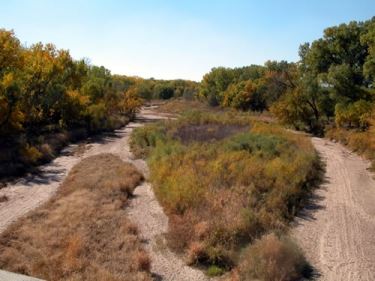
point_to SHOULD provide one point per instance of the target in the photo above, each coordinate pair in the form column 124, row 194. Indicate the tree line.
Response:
column 44, row 91
column 42, row 87
column 333, row 82
column 156, row 89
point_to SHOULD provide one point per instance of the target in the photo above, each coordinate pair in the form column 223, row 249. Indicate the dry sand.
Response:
column 337, row 230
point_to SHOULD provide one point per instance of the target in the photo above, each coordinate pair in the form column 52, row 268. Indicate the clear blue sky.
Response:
column 180, row 38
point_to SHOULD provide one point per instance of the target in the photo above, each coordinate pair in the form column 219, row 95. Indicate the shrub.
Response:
column 144, row 138
column 47, row 151
column 265, row 146
column 273, row 258
column 214, row 270
column 196, row 253
column 30, row 154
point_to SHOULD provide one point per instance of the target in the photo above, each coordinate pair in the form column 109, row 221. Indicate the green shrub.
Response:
column 145, row 138
column 266, row 146
column 214, row 270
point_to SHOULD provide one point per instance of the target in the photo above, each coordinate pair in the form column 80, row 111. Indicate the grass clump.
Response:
column 223, row 193
column 83, row 232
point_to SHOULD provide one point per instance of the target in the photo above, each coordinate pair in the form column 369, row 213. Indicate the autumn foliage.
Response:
column 332, row 83
column 45, row 93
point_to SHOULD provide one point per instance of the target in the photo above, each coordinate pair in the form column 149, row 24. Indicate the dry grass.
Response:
column 362, row 142
column 82, row 233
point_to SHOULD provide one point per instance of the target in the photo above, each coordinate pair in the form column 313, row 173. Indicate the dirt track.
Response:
column 337, row 231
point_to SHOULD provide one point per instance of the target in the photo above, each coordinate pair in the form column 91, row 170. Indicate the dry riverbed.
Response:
column 25, row 194
column 336, row 230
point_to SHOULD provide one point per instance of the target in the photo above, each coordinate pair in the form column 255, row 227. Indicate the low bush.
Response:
column 273, row 258
column 214, row 270
column 144, row 138
column 83, row 232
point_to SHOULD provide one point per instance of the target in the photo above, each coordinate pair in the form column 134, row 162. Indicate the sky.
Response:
column 170, row 39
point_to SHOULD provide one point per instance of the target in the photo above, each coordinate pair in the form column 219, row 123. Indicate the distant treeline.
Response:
column 149, row 89
column 333, row 83
column 48, row 99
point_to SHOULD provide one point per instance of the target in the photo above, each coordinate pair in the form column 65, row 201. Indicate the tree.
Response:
column 11, row 62
column 163, row 91
column 278, row 78
column 131, row 102
column 11, row 115
column 334, row 79
column 353, row 115
column 244, row 95
column 368, row 39
column 215, row 83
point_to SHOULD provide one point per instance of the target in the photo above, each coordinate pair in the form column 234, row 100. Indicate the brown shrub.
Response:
column 47, row 151
column 196, row 253
column 83, row 232
column 272, row 259
column 201, row 230
column 181, row 232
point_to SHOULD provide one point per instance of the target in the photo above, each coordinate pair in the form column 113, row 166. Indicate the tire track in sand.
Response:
column 337, row 230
